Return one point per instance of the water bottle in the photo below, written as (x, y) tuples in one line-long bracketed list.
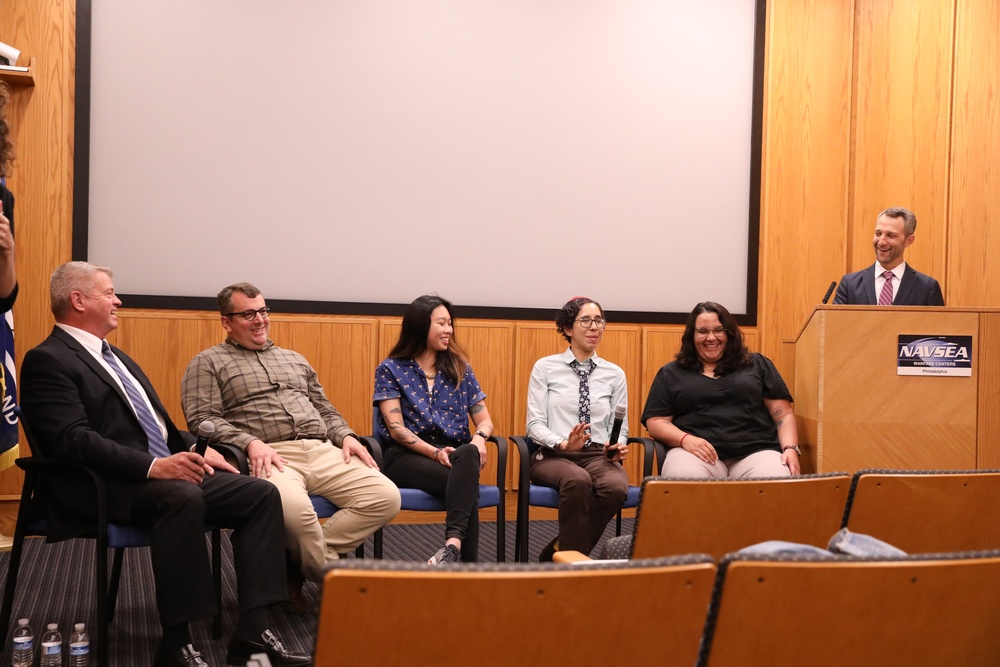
[(51, 647), (79, 647), (24, 645)]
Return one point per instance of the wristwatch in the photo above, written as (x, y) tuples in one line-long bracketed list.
[(795, 447), (485, 437)]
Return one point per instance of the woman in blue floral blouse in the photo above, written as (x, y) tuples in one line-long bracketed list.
[(426, 393)]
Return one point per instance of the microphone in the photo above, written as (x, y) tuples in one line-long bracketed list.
[(616, 429), (829, 291), (205, 432)]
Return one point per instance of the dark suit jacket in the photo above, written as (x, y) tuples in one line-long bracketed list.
[(915, 289), (78, 412)]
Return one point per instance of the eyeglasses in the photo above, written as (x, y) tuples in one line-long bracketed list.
[(250, 315), (718, 331), (586, 322)]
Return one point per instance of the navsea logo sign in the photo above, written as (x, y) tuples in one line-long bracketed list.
[(948, 356)]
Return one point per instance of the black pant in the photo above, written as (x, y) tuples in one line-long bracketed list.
[(458, 485), (177, 513)]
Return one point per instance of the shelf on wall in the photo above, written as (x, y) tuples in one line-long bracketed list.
[(19, 79)]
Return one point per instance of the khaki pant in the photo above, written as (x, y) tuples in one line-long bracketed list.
[(365, 498)]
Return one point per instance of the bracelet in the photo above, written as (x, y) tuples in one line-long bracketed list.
[(681, 443), (436, 450)]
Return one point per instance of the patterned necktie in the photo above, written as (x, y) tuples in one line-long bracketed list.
[(157, 445), (885, 296), (584, 373)]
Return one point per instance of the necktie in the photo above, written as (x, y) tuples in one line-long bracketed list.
[(157, 445), (885, 296), (584, 373)]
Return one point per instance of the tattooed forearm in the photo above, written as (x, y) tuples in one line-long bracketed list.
[(395, 411), (400, 433), (780, 422), (477, 408)]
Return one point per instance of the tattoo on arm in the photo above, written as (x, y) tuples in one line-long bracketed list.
[(477, 408), (778, 425), (395, 411), (400, 433)]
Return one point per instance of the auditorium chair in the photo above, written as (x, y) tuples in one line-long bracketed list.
[(923, 511), (32, 520), (680, 515), (830, 611), (485, 614), (531, 495)]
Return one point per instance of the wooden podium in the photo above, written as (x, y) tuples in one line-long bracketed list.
[(854, 411)]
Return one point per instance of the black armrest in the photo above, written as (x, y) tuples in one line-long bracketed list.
[(235, 456), (372, 445), (648, 448)]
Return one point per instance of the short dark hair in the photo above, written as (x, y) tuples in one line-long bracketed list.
[(225, 297), (566, 317), (413, 337), (909, 219), (735, 356), (6, 147)]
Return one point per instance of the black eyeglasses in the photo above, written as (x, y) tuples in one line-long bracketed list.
[(251, 315), (587, 322)]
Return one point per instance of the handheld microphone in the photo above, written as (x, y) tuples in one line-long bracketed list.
[(205, 432), (829, 291), (616, 429)]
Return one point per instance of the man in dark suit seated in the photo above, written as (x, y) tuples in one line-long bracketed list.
[(890, 281), (90, 403)]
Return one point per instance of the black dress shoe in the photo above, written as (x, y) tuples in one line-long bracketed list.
[(186, 656), (296, 599), (548, 551), (240, 651)]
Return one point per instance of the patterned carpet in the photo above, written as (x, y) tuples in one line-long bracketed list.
[(56, 581)]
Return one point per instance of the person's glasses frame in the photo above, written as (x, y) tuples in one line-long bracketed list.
[(587, 322), (718, 331), (250, 315)]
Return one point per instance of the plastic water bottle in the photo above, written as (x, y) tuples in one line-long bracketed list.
[(79, 647), (23, 654), (51, 647)]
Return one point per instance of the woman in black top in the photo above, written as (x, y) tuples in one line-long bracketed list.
[(722, 410)]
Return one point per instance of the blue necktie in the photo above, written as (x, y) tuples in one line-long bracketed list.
[(157, 445)]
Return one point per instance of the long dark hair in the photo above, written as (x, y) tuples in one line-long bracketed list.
[(6, 148), (735, 356), (413, 337)]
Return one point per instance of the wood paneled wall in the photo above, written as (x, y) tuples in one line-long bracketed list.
[(868, 104)]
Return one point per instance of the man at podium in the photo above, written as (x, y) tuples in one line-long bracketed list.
[(890, 281)]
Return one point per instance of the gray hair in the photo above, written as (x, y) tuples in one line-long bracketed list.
[(909, 220), (68, 278)]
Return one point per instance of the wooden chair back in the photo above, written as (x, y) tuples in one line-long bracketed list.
[(918, 612), (678, 516), (925, 511), (395, 613)]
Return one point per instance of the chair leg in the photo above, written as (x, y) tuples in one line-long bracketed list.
[(116, 575), (501, 534), (618, 524), (378, 545), (360, 551), (217, 582), (103, 619), (13, 566)]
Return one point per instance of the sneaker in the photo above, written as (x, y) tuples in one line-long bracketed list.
[(449, 553)]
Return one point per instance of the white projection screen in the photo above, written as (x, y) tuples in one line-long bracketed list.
[(347, 156)]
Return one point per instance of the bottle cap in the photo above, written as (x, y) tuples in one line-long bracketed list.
[(52, 626), (78, 627), (22, 621)]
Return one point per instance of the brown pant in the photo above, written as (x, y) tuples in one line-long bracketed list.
[(591, 490)]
